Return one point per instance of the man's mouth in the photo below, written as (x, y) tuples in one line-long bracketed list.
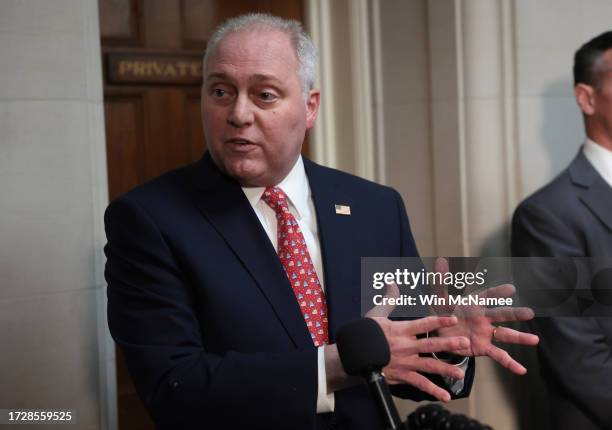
[(240, 141), (240, 145)]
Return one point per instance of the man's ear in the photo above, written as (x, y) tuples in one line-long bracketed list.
[(585, 98), (312, 108)]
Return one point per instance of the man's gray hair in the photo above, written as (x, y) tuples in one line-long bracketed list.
[(304, 48)]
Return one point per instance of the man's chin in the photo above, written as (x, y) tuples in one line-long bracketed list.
[(247, 173)]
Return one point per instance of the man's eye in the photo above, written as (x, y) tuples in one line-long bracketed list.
[(267, 96), (218, 92)]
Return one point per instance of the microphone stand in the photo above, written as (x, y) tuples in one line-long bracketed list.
[(380, 391)]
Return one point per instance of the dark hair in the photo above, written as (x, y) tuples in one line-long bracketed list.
[(585, 59)]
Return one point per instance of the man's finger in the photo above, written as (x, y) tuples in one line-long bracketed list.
[(425, 385), (433, 344), (424, 325), (500, 291), (440, 266), (508, 335), (503, 314), (503, 358), (385, 310), (431, 365)]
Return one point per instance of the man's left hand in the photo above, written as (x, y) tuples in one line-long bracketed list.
[(477, 323)]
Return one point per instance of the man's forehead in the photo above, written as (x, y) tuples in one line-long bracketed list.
[(255, 41), (256, 54)]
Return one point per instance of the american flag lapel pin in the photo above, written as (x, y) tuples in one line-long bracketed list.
[(343, 210)]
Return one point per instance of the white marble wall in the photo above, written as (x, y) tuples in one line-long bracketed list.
[(52, 193), (404, 107)]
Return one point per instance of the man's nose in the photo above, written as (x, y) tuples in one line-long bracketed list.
[(241, 114)]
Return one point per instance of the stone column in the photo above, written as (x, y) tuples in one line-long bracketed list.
[(56, 352)]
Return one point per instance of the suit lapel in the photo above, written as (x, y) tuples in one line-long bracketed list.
[(599, 199), (595, 193), (224, 205), (335, 236)]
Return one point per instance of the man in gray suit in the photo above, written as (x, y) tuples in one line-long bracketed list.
[(572, 216)]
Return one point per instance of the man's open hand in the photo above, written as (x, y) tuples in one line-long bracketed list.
[(405, 347), (477, 324)]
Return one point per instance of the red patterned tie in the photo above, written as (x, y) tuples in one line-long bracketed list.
[(296, 260)]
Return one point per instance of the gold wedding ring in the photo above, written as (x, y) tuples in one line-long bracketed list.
[(493, 334)]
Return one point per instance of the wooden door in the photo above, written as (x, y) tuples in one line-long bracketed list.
[(152, 52)]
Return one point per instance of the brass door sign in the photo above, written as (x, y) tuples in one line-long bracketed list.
[(139, 68)]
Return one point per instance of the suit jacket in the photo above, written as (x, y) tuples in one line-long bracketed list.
[(572, 216), (201, 305)]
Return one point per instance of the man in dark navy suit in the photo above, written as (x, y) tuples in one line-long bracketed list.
[(572, 217), (228, 278)]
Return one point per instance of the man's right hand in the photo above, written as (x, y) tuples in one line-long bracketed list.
[(405, 363)]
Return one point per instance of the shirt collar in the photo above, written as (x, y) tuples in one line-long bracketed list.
[(600, 158), (295, 185)]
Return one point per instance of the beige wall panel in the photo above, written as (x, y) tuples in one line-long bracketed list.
[(53, 191), (49, 359)]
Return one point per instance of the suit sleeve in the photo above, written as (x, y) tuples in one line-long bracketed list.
[(151, 316), (573, 349), (409, 249)]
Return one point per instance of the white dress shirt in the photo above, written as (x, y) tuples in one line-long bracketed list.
[(296, 187), (600, 158)]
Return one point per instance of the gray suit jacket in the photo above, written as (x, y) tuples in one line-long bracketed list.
[(572, 216)]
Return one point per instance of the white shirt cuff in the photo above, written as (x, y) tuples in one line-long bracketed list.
[(325, 401)]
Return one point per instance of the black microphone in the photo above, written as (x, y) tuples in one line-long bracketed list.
[(364, 350)]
